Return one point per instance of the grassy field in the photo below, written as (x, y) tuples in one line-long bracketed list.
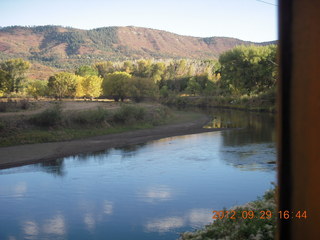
[(46, 121)]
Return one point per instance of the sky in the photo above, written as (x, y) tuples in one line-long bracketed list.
[(251, 20)]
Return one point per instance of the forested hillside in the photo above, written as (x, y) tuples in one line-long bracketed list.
[(67, 48)]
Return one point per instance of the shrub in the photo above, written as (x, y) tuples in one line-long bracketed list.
[(3, 106), (129, 114), (96, 116), (49, 117), (24, 104), (159, 115), (2, 126), (240, 228)]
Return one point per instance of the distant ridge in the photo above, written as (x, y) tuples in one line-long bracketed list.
[(63, 47)]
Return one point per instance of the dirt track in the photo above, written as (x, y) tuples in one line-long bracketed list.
[(32, 153)]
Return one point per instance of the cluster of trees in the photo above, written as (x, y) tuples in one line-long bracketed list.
[(117, 85), (136, 79), (242, 70), (247, 70), (12, 75)]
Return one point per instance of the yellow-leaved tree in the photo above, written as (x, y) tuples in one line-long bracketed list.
[(91, 86)]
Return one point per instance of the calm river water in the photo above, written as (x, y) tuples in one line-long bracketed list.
[(150, 191)]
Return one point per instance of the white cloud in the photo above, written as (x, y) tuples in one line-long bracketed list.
[(20, 189), (164, 224), (157, 193), (89, 221), (108, 207), (30, 229), (199, 216), (55, 225), (194, 217)]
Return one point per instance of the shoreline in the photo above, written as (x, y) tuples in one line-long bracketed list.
[(20, 155)]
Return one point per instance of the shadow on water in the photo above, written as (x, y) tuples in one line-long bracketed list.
[(250, 145), (130, 150), (55, 167)]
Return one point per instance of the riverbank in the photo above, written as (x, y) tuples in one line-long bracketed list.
[(260, 103), (254, 220), (33, 153)]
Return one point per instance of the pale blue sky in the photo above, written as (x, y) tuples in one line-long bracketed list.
[(244, 19)]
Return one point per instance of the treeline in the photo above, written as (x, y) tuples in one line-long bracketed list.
[(242, 71)]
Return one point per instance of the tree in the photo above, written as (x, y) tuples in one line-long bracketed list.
[(116, 85), (4, 81), (193, 86), (247, 69), (127, 67), (63, 85), (86, 71), (13, 73), (181, 68), (104, 68), (91, 86), (157, 71), (141, 88), (37, 88), (143, 68)]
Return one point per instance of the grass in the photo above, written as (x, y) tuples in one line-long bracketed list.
[(54, 125), (263, 102), (242, 228), (63, 134), (49, 117), (15, 105)]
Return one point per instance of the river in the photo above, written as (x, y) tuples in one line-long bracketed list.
[(148, 191)]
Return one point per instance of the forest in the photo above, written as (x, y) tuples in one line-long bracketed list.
[(244, 76)]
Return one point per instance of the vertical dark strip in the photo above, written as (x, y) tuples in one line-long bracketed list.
[(286, 67)]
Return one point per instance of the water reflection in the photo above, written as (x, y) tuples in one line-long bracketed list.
[(142, 192), (164, 224), (54, 227), (89, 221), (250, 157), (54, 167), (195, 217), (30, 229), (20, 189), (156, 193), (130, 150), (220, 122)]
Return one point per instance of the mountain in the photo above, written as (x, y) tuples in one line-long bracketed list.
[(65, 47)]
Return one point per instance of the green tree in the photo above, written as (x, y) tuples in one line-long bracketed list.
[(37, 88), (117, 85), (157, 71), (4, 81), (181, 68), (127, 67), (86, 71), (104, 68), (247, 69), (193, 86), (13, 74), (141, 88), (63, 84), (170, 73), (143, 68)]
